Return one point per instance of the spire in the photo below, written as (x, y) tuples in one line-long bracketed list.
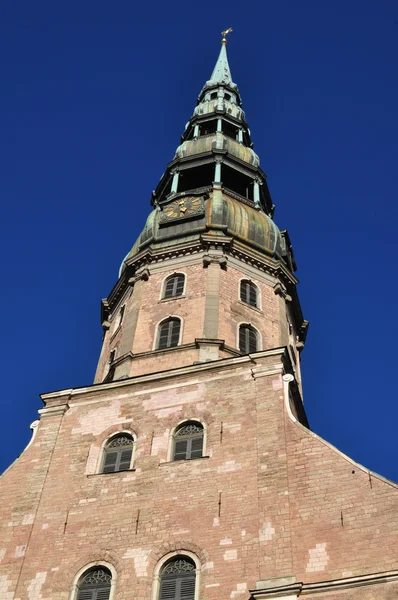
[(221, 72)]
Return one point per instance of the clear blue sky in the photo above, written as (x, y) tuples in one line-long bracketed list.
[(94, 97)]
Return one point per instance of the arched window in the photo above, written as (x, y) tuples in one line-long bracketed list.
[(249, 292), (188, 441), (117, 453), (95, 584), (174, 286), (177, 579), (248, 339), (169, 333)]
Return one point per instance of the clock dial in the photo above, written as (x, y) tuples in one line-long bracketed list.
[(183, 208)]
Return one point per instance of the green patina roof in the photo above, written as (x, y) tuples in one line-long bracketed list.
[(222, 72), (222, 213)]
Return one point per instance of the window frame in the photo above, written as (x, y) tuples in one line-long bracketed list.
[(189, 439), (92, 565), (158, 332), (173, 433), (257, 290), (104, 452), (162, 563), (258, 337), (163, 297)]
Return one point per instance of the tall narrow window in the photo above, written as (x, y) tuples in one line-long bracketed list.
[(248, 339), (174, 286), (121, 315), (117, 454), (249, 292), (177, 580), (169, 333), (95, 584), (188, 441)]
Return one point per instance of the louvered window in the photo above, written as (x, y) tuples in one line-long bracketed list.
[(174, 286), (249, 292), (95, 585), (248, 339), (188, 441), (169, 333), (118, 452), (177, 580)]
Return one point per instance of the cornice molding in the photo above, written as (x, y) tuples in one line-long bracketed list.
[(53, 411), (221, 364), (331, 585)]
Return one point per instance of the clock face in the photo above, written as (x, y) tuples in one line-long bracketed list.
[(183, 208)]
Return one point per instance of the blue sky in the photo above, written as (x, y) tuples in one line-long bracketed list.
[(94, 98)]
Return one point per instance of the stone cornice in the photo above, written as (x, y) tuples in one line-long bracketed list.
[(232, 246), (57, 410), (333, 585), (224, 363)]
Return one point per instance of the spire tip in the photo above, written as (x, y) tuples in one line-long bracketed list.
[(224, 35)]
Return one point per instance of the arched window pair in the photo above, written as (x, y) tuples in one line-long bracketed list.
[(177, 581), (187, 444), (169, 330)]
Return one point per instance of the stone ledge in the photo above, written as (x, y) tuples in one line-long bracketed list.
[(281, 588)]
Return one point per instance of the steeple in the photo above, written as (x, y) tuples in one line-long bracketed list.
[(221, 72), (211, 207)]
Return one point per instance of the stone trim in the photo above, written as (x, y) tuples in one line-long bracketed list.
[(171, 373), (293, 590), (53, 411)]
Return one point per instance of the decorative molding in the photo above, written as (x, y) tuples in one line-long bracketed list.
[(209, 259), (281, 291), (296, 589), (105, 325), (53, 411), (172, 373), (139, 275)]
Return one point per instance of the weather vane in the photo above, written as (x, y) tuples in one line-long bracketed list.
[(224, 35)]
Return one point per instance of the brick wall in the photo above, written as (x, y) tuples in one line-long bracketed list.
[(266, 501), (210, 308)]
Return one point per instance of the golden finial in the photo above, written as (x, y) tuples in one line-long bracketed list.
[(224, 35)]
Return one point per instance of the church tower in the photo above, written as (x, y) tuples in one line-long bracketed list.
[(188, 471), (211, 276)]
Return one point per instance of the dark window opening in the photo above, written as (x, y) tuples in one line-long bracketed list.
[(208, 127), (248, 339), (188, 441), (121, 315), (112, 356), (227, 96), (166, 189), (169, 333), (249, 293), (237, 182), (118, 452), (213, 95), (230, 130), (177, 580), (95, 585), (174, 286), (197, 177)]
